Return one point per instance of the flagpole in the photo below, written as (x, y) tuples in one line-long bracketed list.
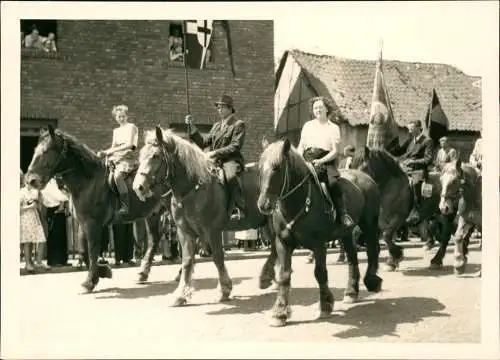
[(184, 30)]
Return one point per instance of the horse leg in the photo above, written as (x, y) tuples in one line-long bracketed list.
[(225, 283), (184, 290), (426, 235), (372, 281), (326, 299), (281, 308), (93, 232), (267, 274), (396, 254), (152, 229), (445, 224), (460, 257), (352, 288)]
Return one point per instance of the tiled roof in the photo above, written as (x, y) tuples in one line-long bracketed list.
[(350, 84)]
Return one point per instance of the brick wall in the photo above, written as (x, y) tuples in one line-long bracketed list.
[(105, 63)]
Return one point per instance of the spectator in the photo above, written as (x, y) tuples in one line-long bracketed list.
[(445, 154), (55, 202), (175, 47), (31, 229), (34, 40), (476, 158), (49, 43)]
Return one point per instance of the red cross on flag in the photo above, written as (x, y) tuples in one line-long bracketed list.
[(198, 36)]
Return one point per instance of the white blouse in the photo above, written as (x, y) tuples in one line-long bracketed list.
[(325, 136)]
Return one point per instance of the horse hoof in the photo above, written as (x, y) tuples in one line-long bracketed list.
[(179, 302), (340, 260), (373, 284), (277, 322), (265, 283), (142, 278), (223, 298), (390, 267), (104, 271), (350, 299), (87, 287), (435, 266), (459, 270)]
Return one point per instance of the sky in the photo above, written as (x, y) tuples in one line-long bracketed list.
[(455, 33)]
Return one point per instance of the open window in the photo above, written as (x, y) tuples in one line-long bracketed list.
[(39, 36), (190, 43)]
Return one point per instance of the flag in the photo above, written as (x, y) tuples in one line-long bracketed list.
[(436, 122), (382, 130), (198, 34)]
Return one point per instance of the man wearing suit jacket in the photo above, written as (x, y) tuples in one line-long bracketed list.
[(417, 158), (224, 143)]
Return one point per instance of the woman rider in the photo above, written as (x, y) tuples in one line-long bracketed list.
[(122, 152), (319, 141)]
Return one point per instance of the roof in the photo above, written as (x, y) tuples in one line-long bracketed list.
[(349, 83)]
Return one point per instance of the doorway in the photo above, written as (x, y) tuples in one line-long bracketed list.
[(28, 145)]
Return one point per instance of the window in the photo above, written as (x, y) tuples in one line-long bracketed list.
[(185, 43), (39, 36)]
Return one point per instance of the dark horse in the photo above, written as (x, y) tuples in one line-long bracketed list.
[(289, 191), (86, 177), (396, 195), (461, 193), (397, 202), (200, 201)]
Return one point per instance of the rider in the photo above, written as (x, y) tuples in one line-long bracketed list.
[(319, 141), (224, 143), (417, 158), (445, 154), (122, 152)]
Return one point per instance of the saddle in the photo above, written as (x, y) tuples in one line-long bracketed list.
[(323, 190), (110, 178)]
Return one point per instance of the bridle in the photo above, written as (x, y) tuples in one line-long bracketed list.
[(285, 193)]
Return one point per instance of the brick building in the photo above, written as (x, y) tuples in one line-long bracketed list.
[(99, 64)]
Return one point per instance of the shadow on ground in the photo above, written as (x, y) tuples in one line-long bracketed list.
[(446, 270), (244, 305), (380, 317), (158, 288), (382, 260)]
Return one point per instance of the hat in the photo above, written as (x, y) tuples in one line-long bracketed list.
[(444, 138), (225, 100)]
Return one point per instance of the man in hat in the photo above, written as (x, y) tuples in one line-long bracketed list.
[(224, 143), (445, 154), (417, 158)]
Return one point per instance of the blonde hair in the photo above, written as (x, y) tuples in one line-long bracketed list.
[(119, 109)]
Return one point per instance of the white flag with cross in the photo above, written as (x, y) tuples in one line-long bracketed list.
[(204, 32)]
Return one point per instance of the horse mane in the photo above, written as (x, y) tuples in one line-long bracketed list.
[(196, 163), (381, 162), (82, 154), (273, 154)]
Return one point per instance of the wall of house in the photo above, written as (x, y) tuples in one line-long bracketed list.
[(105, 63)]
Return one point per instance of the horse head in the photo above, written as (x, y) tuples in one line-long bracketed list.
[(452, 184), (153, 167), (278, 165), (48, 158)]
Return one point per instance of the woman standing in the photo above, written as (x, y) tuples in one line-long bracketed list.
[(122, 152), (31, 230), (319, 141)]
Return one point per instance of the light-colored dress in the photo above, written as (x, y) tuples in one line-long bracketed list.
[(31, 230), (125, 160)]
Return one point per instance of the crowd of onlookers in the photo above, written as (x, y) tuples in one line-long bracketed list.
[(38, 42)]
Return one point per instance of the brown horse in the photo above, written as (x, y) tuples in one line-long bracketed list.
[(200, 201), (462, 194), (86, 177), (291, 194)]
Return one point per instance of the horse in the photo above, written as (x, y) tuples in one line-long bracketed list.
[(292, 195), (397, 196), (60, 155), (200, 201), (461, 193)]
